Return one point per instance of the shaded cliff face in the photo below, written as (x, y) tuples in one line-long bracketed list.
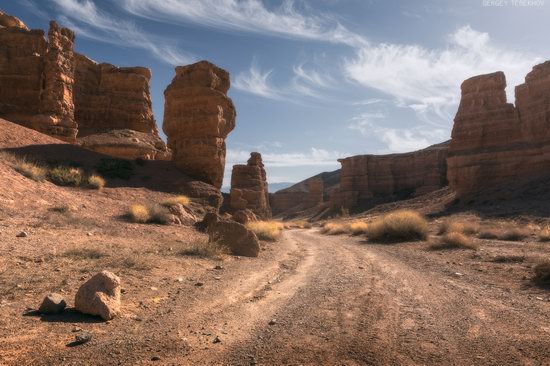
[(494, 142), (249, 188), (365, 177), (37, 77), (198, 116)]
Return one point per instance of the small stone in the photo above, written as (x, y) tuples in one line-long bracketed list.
[(22, 234), (76, 329), (217, 340), (180, 279), (82, 338), (272, 322), (218, 267), (458, 274), (155, 358), (52, 304), (154, 288), (217, 278), (89, 234), (540, 298), (199, 284)]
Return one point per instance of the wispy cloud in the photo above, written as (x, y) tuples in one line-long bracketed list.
[(91, 22), (313, 157), (256, 81), (428, 80), (247, 16)]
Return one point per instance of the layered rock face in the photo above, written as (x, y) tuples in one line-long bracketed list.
[(114, 111), (198, 116), (364, 177), (494, 142), (249, 188), (37, 77)]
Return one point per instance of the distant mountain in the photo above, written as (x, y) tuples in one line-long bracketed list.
[(273, 187)]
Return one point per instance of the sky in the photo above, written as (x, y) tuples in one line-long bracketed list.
[(315, 80)]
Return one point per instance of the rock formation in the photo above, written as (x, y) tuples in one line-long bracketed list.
[(198, 116), (365, 177), (37, 77), (249, 188), (494, 142)]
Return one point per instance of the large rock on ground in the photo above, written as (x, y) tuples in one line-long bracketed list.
[(52, 304), (227, 233), (249, 188), (100, 296), (495, 143), (198, 116)]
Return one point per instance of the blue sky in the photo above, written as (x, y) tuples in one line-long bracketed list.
[(315, 80)]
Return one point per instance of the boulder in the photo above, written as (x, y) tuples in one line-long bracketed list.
[(198, 116), (231, 234), (249, 190), (244, 216), (52, 304), (100, 296), (181, 216)]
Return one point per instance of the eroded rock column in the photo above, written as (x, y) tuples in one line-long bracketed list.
[(198, 116)]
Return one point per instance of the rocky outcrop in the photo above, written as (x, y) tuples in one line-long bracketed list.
[(366, 177), (496, 143), (37, 78), (249, 188), (198, 116)]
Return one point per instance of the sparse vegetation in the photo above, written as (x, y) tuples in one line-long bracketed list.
[(398, 226), (334, 228), (489, 234), (266, 230), (25, 167), (542, 274), (84, 253), (508, 259), (96, 182), (515, 234), (60, 209), (298, 224), (453, 226), (115, 168), (454, 240), (66, 176), (204, 249), (358, 228), (181, 200), (144, 214)]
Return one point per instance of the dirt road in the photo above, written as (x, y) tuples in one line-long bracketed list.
[(334, 300)]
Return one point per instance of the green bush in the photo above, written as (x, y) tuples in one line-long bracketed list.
[(66, 176), (115, 168)]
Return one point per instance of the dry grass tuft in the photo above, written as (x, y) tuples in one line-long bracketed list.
[(181, 200), (515, 234), (204, 249), (453, 226), (508, 259), (25, 167), (138, 213), (358, 228), (66, 176), (454, 240), (298, 224), (489, 234), (398, 226), (334, 228), (84, 253), (96, 182), (266, 230), (542, 274), (544, 234)]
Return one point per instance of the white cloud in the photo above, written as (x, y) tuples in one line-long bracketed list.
[(313, 157), (428, 81), (248, 16), (89, 21)]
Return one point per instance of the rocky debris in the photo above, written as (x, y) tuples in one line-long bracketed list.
[(365, 177), (244, 216), (181, 215), (217, 339), (198, 116), (228, 233), (100, 295), (155, 358), (249, 188), (52, 304), (494, 142), (81, 338), (272, 322), (22, 234)]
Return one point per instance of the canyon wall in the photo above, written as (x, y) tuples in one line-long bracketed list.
[(496, 143), (198, 116), (393, 176), (249, 188)]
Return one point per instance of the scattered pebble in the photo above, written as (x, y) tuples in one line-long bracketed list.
[(217, 278), (22, 234), (218, 267), (82, 338), (154, 288), (272, 322), (199, 284), (458, 274), (217, 340), (155, 358)]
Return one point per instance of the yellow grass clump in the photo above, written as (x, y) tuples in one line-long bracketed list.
[(25, 167), (96, 182), (177, 200), (398, 226), (542, 274), (453, 226), (298, 224), (139, 214), (544, 234), (334, 228), (266, 230), (454, 240), (358, 227), (66, 176)]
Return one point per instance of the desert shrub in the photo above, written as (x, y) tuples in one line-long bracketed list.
[(542, 274), (84, 253), (266, 230), (489, 234), (159, 214), (27, 168), (204, 249), (60, 209), (508, 259), (66, 176), (515, 234), (138, 213), (298, 224), (358, 227), (334, 228), (451, 226), (398, 226), (544, 234), (95, 182), (115, 168), (182, 200), (454, 240)]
